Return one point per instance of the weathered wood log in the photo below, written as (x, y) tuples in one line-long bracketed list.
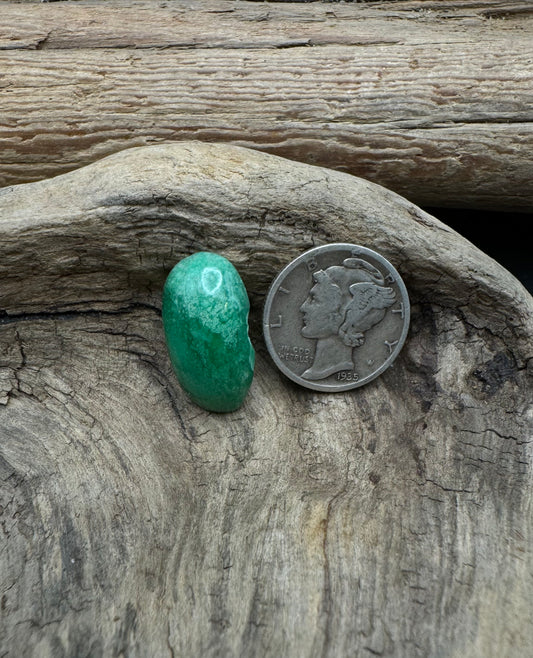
[(393, 520), (431, 99)]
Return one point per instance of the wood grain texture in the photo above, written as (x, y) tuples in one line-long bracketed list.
[(431, 99), (393, 520)]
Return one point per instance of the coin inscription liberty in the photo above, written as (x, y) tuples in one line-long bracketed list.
[(336, 317)]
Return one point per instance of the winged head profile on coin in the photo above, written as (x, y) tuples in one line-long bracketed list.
[(345, 302)]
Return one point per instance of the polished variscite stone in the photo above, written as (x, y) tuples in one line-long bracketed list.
[(205, 317)]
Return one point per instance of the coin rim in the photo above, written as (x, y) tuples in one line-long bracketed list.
[(334, 388)]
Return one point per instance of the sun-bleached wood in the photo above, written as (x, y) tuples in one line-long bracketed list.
[(393, 520), (431, 99)]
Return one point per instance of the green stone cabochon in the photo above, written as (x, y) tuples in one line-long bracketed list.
[(205, 318)]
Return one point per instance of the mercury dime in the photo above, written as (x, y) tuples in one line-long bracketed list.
[(336, 317)]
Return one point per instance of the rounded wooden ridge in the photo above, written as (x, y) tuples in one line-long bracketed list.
[(392, 520)]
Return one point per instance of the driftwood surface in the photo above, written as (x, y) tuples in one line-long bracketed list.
[(392, 520), (432, 99)]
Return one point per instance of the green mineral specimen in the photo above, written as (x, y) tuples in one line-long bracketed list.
[(205, 318)]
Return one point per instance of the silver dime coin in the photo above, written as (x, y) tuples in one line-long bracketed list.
[(336, 317)]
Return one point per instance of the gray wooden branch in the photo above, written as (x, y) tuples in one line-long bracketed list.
[(392, 520), (431, 99)]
